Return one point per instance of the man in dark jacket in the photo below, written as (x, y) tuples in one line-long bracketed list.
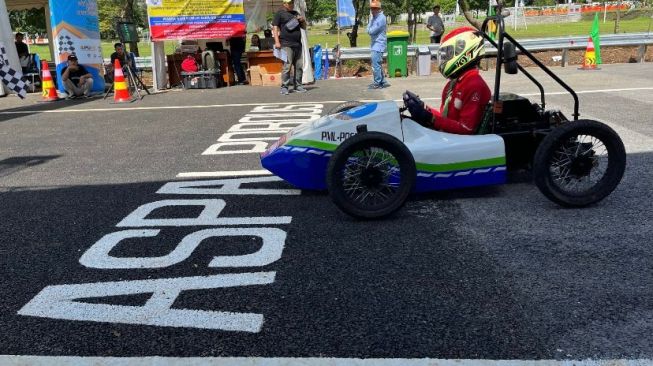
[(237, 48)]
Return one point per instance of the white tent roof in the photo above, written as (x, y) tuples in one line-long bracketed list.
[(25, 4)]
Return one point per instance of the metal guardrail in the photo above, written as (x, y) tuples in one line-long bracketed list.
[(539, 44)]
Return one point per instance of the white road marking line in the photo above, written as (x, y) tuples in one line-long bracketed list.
[(242, 361), (223, 174), (131, 109)]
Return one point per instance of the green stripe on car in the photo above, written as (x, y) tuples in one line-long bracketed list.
[(475, 164), (314, 144)]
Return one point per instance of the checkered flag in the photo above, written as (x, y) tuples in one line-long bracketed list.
[(14, 80)]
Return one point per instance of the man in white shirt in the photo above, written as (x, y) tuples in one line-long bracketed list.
[(435, 25)]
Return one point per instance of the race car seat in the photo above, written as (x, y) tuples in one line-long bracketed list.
[(484, 127)]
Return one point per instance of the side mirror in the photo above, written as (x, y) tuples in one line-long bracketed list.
[(510, 58)]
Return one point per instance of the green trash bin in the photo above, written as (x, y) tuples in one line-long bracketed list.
[(397, 54)]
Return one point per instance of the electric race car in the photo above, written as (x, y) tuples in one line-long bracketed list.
[(371, 156)]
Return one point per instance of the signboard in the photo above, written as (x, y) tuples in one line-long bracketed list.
[(75, 30), (346, 13), (127, 32), (195, 19)]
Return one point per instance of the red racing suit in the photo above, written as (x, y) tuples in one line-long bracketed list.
[(463, 107)]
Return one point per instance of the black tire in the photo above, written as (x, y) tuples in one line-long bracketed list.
[(371, 191), (345, 107), (582, 153)]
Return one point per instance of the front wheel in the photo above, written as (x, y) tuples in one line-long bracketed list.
[(371, 175), (345, 107), (579, 163)]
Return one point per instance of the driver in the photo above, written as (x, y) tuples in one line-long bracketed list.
[(466, 94)]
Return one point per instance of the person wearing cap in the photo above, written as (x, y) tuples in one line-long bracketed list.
[(376, 29), (286, 29), (435, 25), (77, 81)]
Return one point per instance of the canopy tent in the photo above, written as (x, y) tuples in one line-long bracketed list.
[(256, 12), (25, 4), (33, 4), (6, 33)]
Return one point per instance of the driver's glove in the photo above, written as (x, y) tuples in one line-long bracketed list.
[(418, 111)]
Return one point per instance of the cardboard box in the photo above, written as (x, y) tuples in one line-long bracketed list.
[(271, 79), (255, 76)]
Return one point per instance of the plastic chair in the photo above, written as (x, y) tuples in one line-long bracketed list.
[(33, 71)]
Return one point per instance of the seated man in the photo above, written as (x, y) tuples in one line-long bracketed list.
[(119, 55), (77, 81), (466, 95), (22, 50)]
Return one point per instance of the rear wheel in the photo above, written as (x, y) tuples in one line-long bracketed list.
[(371, 175), (345, 107), (579, 163)]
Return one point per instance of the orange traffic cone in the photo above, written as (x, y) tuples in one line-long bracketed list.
[(589, 61), (49, 91), (120, 90)]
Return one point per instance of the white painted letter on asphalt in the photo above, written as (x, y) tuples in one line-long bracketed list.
[(97, 256), (225, 187), (208, 216), (58, 302), (256, 147)]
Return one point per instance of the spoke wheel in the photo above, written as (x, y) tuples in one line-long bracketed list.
[(371, 175), (579, 163)]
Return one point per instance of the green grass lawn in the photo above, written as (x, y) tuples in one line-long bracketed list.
[(319, 36), (583, 27)]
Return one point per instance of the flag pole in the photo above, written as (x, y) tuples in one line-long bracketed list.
[(337, 15)]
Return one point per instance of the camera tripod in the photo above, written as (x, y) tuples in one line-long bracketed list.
[(134, 82)]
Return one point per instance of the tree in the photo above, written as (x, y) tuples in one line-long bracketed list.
[(107, 11), (617, 19), (128, 14), (111, 12), (362, 10), (414, 8), (447, 6), (392, 9), (30, 21), (319, 9)]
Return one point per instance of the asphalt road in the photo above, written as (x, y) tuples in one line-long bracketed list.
[(485, 273)]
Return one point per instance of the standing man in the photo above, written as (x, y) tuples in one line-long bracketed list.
[(435, 25), (286, 28), (376, 29), (237, 48), (77, 81)]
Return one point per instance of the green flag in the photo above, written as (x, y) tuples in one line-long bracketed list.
[(594, 33)]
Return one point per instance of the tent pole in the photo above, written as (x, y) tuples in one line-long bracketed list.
[(48, 27), (7, 37)]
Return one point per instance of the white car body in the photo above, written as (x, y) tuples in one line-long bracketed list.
[(443, 160)]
